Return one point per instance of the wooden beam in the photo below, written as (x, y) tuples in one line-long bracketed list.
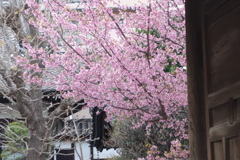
[(195, 71)]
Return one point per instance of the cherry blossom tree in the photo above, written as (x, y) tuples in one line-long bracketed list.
[(27, 126), (130, 60)]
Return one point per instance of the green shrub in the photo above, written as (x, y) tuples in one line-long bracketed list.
[(16, 134)]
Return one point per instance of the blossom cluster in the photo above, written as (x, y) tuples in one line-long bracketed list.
[(176, 152), (130, 60)]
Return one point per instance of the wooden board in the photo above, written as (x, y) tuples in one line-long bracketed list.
[(214, 72)]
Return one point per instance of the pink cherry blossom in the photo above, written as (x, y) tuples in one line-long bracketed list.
[(114, 57)]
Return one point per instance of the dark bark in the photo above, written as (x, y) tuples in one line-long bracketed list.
[(30, 107), (36, 125)]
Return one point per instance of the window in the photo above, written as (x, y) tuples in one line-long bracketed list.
[(83, 126), (64, 154)]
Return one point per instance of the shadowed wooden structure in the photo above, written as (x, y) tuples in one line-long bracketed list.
[(213, 56)]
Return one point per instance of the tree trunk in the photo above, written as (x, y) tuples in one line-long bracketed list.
[(36, 142), (36, 125)]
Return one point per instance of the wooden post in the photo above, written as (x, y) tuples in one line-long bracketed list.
[(195, 71)]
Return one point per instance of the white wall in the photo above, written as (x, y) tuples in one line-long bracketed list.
[(110, 153), (82, 149), (63, 145)]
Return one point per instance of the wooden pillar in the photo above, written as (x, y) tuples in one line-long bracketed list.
[(195, 71)]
